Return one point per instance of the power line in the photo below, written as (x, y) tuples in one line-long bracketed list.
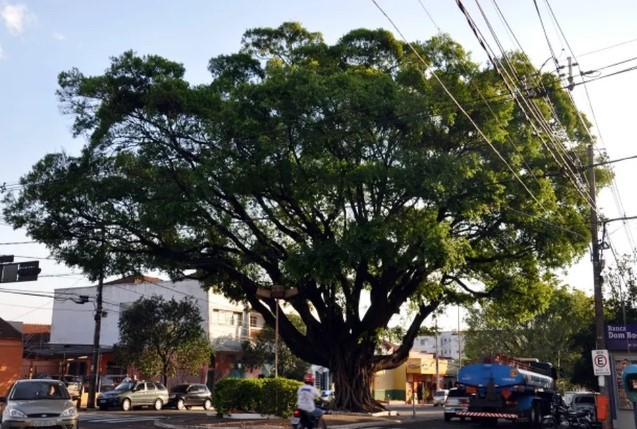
[(459, 106), (607, 47)]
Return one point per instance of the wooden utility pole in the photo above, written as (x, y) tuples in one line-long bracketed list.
[(600, 341), (95, 357)]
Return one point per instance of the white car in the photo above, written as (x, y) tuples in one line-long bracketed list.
[(580, 401), (327, 395), (440, 397), (457, 400)]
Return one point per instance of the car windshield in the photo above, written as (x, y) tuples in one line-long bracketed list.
[(125, 386), (39, 390), (457, 393), (584, 400), (439, 393), (180, 388)]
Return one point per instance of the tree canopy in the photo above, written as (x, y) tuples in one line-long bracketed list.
[(550, 334), (345, 171), (159, 337)]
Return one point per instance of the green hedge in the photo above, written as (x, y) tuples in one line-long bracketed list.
[(267, 396)]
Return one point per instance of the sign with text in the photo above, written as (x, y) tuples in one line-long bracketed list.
[(621, 337), (601, 364)]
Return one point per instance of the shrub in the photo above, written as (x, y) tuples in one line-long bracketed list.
[(271, 396)]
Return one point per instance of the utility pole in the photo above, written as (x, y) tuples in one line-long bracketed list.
[(95, 357), (600, 341)]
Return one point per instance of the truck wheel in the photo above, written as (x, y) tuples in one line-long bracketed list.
[(535, 414)]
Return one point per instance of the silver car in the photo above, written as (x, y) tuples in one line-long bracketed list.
[(440, 397), (38, 403), (457, 400)]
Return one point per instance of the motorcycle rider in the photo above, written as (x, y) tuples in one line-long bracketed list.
[(305, 399)]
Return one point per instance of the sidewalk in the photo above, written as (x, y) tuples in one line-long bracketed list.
[(335, 420)]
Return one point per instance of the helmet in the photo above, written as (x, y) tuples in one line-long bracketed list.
[(308, 378)]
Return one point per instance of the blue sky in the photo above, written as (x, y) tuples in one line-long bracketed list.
[(39, 39)]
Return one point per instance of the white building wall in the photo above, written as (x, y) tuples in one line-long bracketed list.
[(74, 323), (449, 344)]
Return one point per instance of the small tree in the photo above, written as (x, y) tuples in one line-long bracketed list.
[(159, 337), (550, 334)]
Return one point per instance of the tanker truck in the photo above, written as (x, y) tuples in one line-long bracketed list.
[(517, 389)]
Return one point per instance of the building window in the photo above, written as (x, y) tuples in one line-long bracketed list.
[(237, 319), (253, 320)]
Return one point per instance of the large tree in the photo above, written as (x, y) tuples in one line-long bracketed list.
[(159, 337), (345, 171), (550, 333), (262, 350)]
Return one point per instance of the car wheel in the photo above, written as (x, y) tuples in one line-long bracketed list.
[(447, 417), (207, 404), (180, 404), (188, 407), (158, 404), (103, 408), (126, 404)]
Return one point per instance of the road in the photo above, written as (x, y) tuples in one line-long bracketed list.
[(144, 419)]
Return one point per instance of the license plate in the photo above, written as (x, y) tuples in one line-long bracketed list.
[(47, 422), (295, 420)]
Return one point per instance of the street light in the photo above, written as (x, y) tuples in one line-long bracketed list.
[(277, 292)]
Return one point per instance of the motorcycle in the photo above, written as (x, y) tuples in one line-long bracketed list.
[(561, 416), (303, 420)]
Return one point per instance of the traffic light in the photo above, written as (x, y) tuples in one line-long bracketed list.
[(6, 258), (28, 271), (19, 272)]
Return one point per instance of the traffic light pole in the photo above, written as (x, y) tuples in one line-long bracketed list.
[(600, 340)]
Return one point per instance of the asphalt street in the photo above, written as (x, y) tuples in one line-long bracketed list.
[(409, 418)]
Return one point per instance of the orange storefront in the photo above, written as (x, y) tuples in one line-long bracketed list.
[(10, 355)]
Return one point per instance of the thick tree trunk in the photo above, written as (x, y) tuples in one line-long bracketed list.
[(353, 374)]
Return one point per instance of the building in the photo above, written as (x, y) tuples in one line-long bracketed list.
[(447, 344), (10, 355), (421, 374), (225, 323)]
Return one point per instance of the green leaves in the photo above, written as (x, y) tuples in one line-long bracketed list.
[(159, 337), (548, 330), (344, 171)]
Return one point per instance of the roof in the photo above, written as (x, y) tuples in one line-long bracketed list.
[(34, 328), (134, 280), (8, 331)]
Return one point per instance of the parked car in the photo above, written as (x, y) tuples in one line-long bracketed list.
[(327, 395), (580, 401), (133, 394), (38, 403), (457, 400), (188, 395), (440, 396), (73, 383), (108, 382)]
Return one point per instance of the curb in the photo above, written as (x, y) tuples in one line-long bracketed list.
[(161, 424)]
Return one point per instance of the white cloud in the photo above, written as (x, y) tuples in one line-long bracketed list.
[(1, 52), (59, 36), (17, 18)]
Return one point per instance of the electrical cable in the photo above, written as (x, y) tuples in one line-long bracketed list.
[(528, 109), (614, 188), (459, 106)]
